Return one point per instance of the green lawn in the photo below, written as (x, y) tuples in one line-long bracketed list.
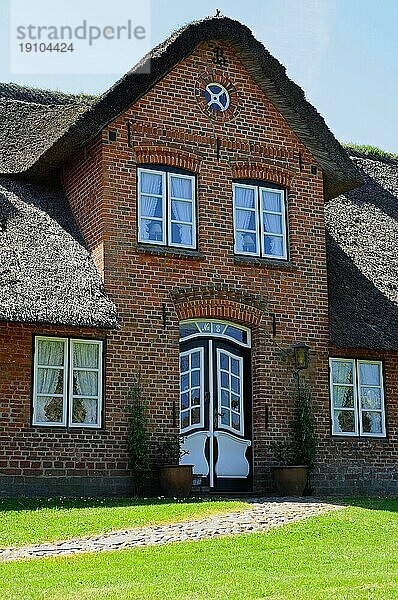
[(349, 554), (30, 521)]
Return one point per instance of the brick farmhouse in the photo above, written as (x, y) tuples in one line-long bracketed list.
[(192, 226)]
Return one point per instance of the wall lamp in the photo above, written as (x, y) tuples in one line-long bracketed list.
[(301, 356)]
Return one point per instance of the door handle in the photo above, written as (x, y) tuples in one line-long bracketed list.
[(215, 419)]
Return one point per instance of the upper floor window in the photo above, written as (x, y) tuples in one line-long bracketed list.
[(166, 208), (357, 397), (260, 221), (67, 385)]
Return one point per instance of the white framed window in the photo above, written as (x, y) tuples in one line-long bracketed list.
[(259, 221), (230, 391), (166, 208), (191, 389), (67, 382), (357, 397)]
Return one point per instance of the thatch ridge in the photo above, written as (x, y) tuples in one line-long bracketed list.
[(14, 91)]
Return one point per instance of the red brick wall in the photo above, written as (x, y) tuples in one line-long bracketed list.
[(362, 465), (101, 186), (84, 185), (49, 451)]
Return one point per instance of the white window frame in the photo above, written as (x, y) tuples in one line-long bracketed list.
[(358, 432), (164, 200), (166, 218), (63, 367), (259, 221), (68, 395), (98, 370), (236, 208), (202, 391), (239, 431), (211, 333)]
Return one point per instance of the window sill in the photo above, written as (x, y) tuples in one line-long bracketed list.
[(269, 263), (167, 251), (65, 428), (359, 438)]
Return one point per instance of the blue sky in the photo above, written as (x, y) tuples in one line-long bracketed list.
[(343, 53)]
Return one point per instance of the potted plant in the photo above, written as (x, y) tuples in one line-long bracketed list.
[(296, 456), (175, 479)]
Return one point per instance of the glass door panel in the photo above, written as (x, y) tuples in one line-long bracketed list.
[(191, 389), (230, 391)]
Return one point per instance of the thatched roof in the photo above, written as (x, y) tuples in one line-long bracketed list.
[(14, 91), (46, 274), (340, 174), (363, 259), (27, 130), (30, 121)]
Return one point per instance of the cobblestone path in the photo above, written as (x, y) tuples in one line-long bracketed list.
[(261, 514)]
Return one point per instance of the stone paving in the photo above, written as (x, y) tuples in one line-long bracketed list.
[(261, 514)]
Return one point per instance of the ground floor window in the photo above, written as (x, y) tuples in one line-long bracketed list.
[(67, 383), (357, 397)]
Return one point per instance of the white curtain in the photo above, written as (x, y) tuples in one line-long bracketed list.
[(244, 198), (85, 355), (181, 188), (50, 353), (245, 219), (369, 374), (85, 410), (272, 223), (271, 201), (49, 381), (181, 210), (273, 245), (151, 185), (85, 383), (342, 372)]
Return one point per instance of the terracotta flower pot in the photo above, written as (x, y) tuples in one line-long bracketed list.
[(291, 480), (176, 480)]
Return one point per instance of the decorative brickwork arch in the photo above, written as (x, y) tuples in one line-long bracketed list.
[(264, 172), (162, 155), (219, 302)]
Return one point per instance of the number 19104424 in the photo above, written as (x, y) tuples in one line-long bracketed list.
[(43, 47)]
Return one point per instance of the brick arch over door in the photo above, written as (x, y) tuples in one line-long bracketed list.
[(219, 309), (219, 302)]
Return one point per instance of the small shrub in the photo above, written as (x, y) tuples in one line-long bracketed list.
[(300, 448), (170, 450)]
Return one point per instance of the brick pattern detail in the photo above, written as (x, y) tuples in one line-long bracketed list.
[(162, 155), (218, 291), (219, 309), (262, 172), (218, 302)]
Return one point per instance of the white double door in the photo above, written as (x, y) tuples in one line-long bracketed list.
[(215, 412)]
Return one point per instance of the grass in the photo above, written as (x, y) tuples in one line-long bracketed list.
[(349, 554), (30, 521), (371, 151)]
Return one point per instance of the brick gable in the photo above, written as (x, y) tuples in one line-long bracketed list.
[(168, 127)]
